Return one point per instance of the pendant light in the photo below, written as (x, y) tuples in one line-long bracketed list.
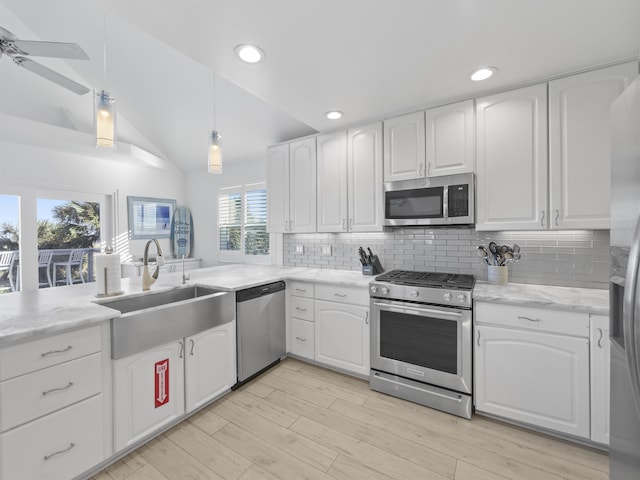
[(215, 155), (104, 108)]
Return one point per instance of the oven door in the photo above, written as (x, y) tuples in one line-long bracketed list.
[(426, 343)]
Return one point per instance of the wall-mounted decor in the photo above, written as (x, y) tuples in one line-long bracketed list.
[(182, 232), (150, 217)]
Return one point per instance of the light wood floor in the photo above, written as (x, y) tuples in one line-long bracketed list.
[(299, 421)]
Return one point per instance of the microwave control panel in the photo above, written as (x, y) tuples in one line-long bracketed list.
[(459, 200)]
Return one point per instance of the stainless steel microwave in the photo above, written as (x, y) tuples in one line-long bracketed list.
[(447, 200)]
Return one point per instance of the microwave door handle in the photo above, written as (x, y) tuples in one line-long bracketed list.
[(631, 314), (445, 203), (425, 311)]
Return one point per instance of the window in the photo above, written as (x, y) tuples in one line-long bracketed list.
[(68, 237), (242, 224), (9, 244)]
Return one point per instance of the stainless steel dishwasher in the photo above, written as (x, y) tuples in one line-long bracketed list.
[(260, 316)]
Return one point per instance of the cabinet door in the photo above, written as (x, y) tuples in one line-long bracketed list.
[(600, 385), (332, 182), (278, 188), (404, 148), (302, 186), (511, 152), (580, 145), (450, 139), (536, 378), (210, 364), (342, 336), (148, 392), (365, 195)]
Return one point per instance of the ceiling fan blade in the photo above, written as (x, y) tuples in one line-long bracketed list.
[(49, 74), (7, 35), (50, 49)]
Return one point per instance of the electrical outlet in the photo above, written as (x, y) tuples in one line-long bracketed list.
[(299, 249), (326, 249)]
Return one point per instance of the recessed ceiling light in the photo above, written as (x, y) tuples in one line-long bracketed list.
[(483, 73), (334, 115), (249, 53)]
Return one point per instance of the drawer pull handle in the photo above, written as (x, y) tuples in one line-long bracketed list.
[(341, 295), (47, 392), (301, 339), (301, 309), (52, 352), (301, 289), (529, 319), (48, 457)]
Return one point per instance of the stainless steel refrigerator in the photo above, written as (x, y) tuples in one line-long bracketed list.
[(625, 286)]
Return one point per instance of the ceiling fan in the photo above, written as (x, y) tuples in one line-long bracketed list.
[(15, 48)]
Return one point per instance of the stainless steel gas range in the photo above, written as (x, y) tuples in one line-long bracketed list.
[(421, 338)]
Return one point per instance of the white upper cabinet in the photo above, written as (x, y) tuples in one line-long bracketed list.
[(332, 182), (278, 187), (365, 195), (579, 145), (291, 181), (350, 180), (404, 147), (512, 160), (450, 140), (302, 185)]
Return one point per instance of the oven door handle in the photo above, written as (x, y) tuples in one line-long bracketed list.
[(427, 311)]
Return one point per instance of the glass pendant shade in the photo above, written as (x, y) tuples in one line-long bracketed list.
[(105, 120), (215, 156)]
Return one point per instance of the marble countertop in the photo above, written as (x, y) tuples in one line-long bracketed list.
[(27, 315), (586, 300)]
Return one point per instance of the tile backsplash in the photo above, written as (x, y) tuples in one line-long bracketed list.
[(569, 258)]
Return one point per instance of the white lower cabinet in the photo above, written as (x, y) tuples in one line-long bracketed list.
[(59, 446), (148, 392), (150, 387), (54, 417), (600, 385), (342, 336), (532, 375), (330, 324), (210, 365)]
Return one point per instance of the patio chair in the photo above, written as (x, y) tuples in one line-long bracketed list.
[(7, 263), (44, 261), (75, 260)]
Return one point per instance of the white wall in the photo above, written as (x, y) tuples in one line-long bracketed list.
[(202, 198), (26, 170)]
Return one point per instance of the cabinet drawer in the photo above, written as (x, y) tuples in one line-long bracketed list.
[(28, 357), (540, 319), (300, 289), (302, 338), (59, 446), (36, 394), (333, 293), (301, 308)]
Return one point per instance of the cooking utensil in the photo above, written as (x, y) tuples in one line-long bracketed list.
[(482, 252), (507, 258), (493, 248)]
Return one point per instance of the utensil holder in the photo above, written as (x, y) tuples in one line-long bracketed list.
[(498, 274)]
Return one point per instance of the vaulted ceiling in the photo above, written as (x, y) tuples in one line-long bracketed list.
[(370, 59)]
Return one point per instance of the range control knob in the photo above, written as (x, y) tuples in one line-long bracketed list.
[(462, 298), (384, 290), (413, 293), (373, 289), (447, 297)]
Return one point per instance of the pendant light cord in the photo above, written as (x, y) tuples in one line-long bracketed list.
[(214, 101), (104, 51)]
